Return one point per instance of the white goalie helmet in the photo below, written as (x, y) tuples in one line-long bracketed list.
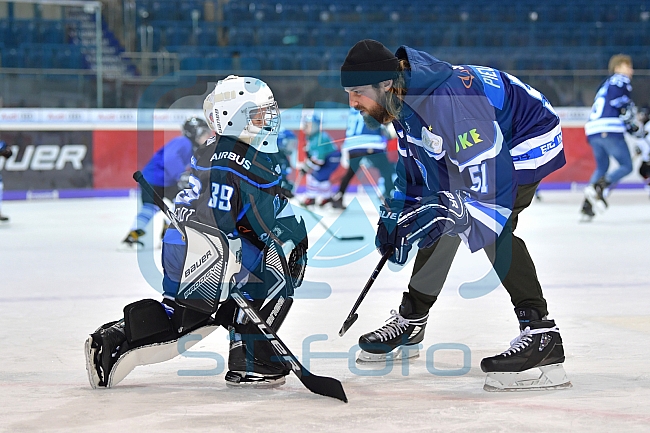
[(244, 107)]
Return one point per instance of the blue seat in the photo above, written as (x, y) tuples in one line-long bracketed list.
[(24, 31), (250, 64), (192, 64), (163, 10), (177, 36), (271, 35), (51, 32), (242, 35), (218, 63), (68, 58), (13, 58)]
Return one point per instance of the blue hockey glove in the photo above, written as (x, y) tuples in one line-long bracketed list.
[(387, 238), (425, 221)]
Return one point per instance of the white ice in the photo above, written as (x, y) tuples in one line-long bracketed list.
[(61, 277)]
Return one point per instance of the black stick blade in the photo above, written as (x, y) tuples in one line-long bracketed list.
[(348, 322), (326, 386), (349, 238)]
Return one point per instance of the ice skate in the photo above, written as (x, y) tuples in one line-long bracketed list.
[(337, 201), (101, 350), (400, 338), (538, 346), (133, 241), (309, 201), (595, 194), (4, 218), (587, 212), (247, 371), (324, 201)]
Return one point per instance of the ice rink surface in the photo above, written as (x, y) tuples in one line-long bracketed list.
[(61, 277)]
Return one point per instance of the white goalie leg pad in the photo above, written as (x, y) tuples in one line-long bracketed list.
[(400, 352), (154, 353), (547, 377), (91, 369)]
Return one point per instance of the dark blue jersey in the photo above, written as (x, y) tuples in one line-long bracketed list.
[(612, 97), (166, 166), (234, 187), (475, 129)]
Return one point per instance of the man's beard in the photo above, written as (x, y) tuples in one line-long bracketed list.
[(378, 115)]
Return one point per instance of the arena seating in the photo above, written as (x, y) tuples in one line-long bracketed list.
[(304, 35)]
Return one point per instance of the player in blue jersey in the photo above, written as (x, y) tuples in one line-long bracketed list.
[(164, 172), (287, 145), (5, 152), (322, 159), (612, 115), (234, 186), (474, 144), (364, 138)]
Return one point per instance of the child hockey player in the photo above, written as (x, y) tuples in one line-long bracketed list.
[(235, 188)]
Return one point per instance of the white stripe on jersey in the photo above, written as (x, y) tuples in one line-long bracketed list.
[(488, 221), (364, 141), (604, 124), (546, 145)]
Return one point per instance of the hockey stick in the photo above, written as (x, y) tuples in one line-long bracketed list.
[(326, 386), (320, 220), (353, 316), (139, 177), (372, 183), (329, 230)]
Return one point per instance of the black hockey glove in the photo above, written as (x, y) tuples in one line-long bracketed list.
[(5, 150), (400, 226)]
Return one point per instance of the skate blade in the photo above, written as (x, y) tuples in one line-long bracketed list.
[(253, 382), (584, 218), (552, 376), (412, 352), (93, 377)]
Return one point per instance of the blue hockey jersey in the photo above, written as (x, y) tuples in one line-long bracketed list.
[(474, 129), (358, 135), (168, 163), (612, 96)]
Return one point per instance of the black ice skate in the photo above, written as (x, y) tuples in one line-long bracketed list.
[(539, 345), (133, 241), (4, 218), (246, 370), (595, 194), (337, 201), (399, 338), (101, 351), (587, 211)]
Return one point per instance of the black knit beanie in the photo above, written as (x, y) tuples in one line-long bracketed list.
[(368, 62)]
